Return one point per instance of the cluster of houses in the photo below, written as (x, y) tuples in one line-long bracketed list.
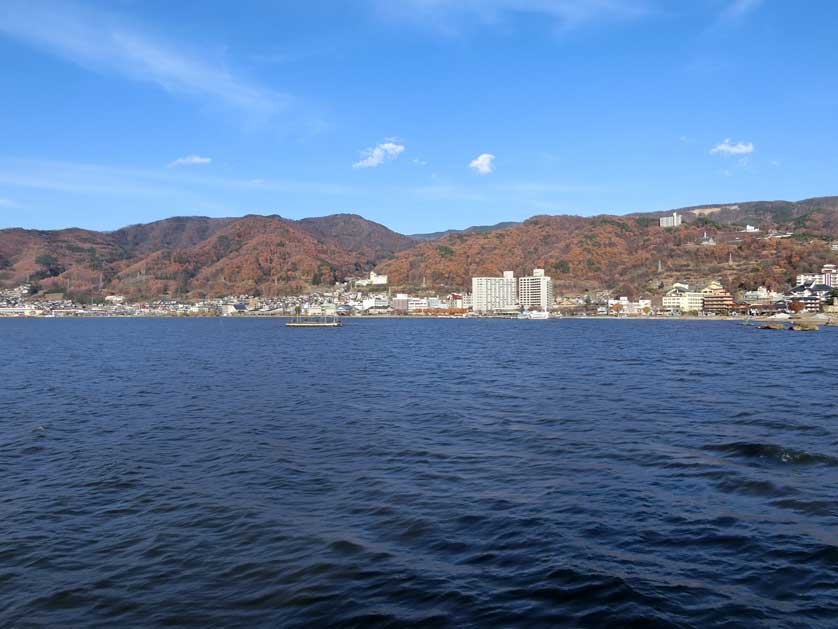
[(812, 292), (712, 299), (504, 295)]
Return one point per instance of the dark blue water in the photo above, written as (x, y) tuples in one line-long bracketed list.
[(417, 473)]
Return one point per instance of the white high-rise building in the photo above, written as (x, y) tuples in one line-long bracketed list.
[(535, 291), (670, 221), (494, 293)]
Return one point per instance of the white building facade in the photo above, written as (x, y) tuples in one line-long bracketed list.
[(670, 221), (827, 276), (681, 299), (494, 293), (625, 307), (372, 303), (535, 291), (374, 280)]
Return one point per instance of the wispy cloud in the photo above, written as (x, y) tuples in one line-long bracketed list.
[(106, 43), (97, 180), (729, 148), (483, 164), (452, 16), (377, 155), (8, 204), (190, 160)]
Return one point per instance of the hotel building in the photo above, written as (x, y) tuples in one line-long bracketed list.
[(535, 291), (494, 293)]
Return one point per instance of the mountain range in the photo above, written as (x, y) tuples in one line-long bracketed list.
[(271, 255)]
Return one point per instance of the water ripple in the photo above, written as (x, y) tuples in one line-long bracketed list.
[(416, 474)]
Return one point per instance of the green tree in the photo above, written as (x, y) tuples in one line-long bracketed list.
[(444, 251), (562, 266), (49, 265)]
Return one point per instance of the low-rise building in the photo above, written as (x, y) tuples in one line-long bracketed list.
[(716, 299), (417, 303), (680, 299), (19, 311), (623, 306), (374, 280), (761, 296), (806, 303), (827, 276), (821, 292), (375, 303)]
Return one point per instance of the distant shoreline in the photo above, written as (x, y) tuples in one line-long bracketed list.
[(833, 319)]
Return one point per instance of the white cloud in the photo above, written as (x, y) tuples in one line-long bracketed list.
[(377, 155), (483, 164), (420, 162), (104, 43), (729, 148), (190, 160)]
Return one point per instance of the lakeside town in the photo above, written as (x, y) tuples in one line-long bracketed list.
[(527, 297)]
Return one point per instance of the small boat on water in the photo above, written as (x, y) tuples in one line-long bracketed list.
[(533, 314), (314, 322)]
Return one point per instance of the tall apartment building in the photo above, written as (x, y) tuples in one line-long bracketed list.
[(535, 291), (670, 221), (494, 293)]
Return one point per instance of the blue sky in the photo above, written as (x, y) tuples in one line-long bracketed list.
[(420, 114)]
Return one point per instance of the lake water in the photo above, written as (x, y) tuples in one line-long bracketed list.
[(452, 473)]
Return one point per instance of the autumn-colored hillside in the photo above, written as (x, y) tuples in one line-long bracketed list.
[(369, 241), (198, 256), (631, 254), (270, 255)]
